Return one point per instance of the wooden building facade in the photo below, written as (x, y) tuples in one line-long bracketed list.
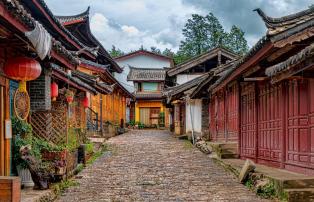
[(264, 101)]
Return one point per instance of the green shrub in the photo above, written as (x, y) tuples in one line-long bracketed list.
[(89, 147), (132, 122)]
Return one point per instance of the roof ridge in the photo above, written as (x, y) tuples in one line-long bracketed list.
[(84, 14), (272, 22)]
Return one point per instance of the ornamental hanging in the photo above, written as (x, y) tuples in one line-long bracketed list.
[(22, 69), (54, 90), (85, 102), (69, 95)]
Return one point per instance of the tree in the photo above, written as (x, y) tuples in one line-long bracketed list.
[(155, 50), (114, 52), (168, 52), (196, 37), (202, 33), (236, 41)]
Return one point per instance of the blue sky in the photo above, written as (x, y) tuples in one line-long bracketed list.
[(128, 24)]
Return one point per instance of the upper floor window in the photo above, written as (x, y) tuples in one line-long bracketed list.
[(148, 87)]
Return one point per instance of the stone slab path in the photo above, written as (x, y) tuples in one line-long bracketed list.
[(151, 165)]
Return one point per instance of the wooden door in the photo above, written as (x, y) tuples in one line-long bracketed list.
[(270, 120), (4, 114), (248, 121), (232, 113), (154, 115), (145, 115), (300, 126)]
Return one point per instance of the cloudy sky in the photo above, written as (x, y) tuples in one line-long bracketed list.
[(128, 24)]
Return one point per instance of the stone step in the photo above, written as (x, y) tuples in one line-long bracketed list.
[(228, 156), (298, 183), (300, 195)]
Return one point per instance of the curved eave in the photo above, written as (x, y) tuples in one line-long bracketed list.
[(271, 22), (42, 8), (16, 15), (75, 25)]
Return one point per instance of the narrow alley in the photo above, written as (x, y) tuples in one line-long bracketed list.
[(152, 165)]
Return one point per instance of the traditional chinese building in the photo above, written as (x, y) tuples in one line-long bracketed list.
[(106, 107), (144, 72), (30, 31), (191, 113), (264, 100)]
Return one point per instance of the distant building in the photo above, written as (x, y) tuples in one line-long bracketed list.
[(144, 75), (191, 113)]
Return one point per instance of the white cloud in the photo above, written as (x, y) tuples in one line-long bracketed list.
[(130, 30), (128, 24)]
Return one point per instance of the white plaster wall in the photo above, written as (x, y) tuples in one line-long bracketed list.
[(183, 78), (196, 109), (139, 61)]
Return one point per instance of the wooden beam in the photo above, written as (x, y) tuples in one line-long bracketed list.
[(256, 79), (293, 71), (280, 52)]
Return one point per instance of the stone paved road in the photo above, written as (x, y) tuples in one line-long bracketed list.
[(151, 165)]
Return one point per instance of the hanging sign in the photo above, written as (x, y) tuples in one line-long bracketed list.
[(8, 129)]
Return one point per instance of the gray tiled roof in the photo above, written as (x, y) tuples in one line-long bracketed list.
[(149, 96), (145, 74)]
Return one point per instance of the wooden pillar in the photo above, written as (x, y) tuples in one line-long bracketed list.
[(239, 119), (101, 112), (284, 104), (256, 120)]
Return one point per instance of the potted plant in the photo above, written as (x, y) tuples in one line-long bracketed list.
[(60, 167), (20, 164), (69, 95), (22, 136)]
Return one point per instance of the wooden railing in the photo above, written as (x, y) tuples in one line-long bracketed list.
[(92, 120)]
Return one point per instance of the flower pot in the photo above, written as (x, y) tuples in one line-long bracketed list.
[(53, 155), (26, 177)]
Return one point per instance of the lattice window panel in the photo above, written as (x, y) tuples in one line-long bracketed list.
[(41, 122), (59, 125)]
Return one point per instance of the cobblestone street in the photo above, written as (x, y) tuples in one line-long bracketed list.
[(150, 165)]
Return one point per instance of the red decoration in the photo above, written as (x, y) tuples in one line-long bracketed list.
[(22, 69), (69, 99), (86, 102), (54, 91)]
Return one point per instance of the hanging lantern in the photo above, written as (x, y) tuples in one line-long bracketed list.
[(22, 69), (85, 102), (54, 90)]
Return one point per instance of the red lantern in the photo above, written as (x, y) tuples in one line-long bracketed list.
[(22, 69), (54, 91), (85, 102)]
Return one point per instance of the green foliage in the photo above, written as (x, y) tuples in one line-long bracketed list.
[(161, 119), (202, 33), (155, 50), (63, 185), (116, 52), (236, 41), (168, 52), (89, 147), (132, 122), (17, 144), (21, 128), (72, 140), (249, 183), (267, 191), (140, 125)]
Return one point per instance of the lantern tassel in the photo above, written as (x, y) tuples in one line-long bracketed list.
[(22, 86)]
